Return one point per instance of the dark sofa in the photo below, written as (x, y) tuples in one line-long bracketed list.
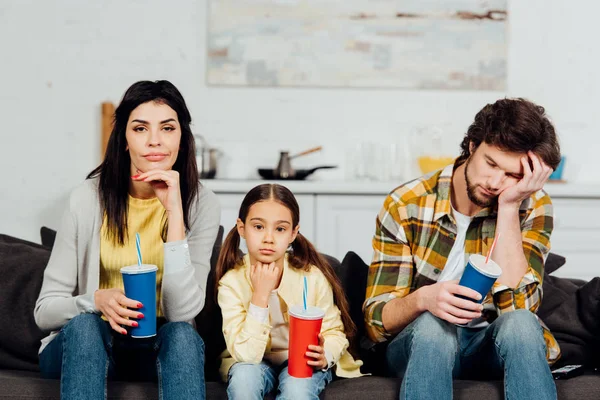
[(570, 308)]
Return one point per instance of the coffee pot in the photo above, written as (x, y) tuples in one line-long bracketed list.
[(206, 158)]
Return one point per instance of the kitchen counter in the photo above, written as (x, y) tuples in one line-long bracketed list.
[(555, 189)]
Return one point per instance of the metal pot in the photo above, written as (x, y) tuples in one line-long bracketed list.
[(206, 158)]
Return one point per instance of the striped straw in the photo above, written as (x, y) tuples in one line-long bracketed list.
[(304, 292), (139, 250), (492, 248)]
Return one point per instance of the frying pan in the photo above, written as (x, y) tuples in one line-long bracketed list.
[(297, 174)]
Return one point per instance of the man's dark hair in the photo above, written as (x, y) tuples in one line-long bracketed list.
[(515, 125)]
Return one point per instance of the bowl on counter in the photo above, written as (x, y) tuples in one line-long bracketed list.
[(429, 164)]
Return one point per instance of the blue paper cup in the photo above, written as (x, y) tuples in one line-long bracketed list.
[(480, 276), (140, 285)]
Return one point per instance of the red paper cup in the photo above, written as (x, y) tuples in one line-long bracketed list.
[(305, 326)]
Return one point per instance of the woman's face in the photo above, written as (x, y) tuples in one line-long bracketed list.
[(153, 136)]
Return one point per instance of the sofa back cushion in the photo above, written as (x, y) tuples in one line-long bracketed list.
[(22, 266)]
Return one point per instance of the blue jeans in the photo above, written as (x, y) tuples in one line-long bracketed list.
[(87, 352), (254, 381), (430, 352)]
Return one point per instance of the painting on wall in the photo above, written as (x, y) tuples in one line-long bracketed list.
[(412, 44)]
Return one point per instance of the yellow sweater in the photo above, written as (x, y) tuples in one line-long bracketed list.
[(145, 217), (248, 339)]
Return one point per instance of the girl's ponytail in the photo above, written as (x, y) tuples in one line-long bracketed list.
[(229, 256), (303, 256)]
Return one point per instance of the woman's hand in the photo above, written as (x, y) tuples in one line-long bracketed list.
[(166, 187), (112, 304), (318, 353)]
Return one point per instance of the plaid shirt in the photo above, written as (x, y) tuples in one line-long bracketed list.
[(415, 232)]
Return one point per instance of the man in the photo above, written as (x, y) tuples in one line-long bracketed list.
[(425, 233)]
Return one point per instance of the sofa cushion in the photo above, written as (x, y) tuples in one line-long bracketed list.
[(47, 236), (209, 322), (22, 266), (553, 262), (574, 321), (353, 275)]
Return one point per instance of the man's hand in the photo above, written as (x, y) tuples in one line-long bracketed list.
[(440, 300), (531, 182), (265, 279)]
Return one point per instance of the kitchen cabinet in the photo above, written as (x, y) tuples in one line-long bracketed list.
[(340, 216), (346, 223), (576, 236)]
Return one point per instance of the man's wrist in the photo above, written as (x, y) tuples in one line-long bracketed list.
[(420, 299), (512, 207)]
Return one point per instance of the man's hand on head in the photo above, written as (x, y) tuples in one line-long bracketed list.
[(534, 178)]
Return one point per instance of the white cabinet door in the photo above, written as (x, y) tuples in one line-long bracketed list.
[(347, 223), (230, 208), (576, 236)]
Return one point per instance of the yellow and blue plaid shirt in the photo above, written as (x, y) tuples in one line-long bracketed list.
[(415, 232)]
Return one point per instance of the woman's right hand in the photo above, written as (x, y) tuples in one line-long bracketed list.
[(113, 304), (265, 279)]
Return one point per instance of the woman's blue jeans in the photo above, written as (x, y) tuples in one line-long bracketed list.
[(87, 352), (430, 352)]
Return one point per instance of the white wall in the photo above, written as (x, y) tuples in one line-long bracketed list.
[(61, 59)]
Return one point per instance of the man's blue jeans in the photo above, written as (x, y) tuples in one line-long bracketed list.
[(430, 352), (87, 352), (254, 381)]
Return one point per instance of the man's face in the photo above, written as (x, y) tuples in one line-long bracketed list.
[(489, 171)]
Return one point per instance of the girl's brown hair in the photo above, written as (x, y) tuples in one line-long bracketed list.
[(303, 253)]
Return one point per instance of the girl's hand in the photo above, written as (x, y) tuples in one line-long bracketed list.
[(318, 353), (166, 187), (112, 304), (265, 279)]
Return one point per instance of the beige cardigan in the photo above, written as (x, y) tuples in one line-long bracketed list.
[(73, 271)]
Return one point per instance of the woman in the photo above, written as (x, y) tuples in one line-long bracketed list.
[(147, 184)]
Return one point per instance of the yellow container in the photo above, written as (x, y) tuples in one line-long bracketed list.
[(429, 164)]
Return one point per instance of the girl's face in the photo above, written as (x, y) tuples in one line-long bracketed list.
[(268, 232), (153, 135)]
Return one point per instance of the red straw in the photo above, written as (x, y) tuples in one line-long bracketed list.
[(492, 248)]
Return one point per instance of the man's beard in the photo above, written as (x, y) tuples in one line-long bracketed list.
[(471, 191)]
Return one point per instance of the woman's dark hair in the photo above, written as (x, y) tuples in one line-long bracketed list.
[(303, 253), (114, 171), (514, 125)]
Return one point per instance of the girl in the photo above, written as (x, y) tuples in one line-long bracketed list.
[(147, 183), (255, 292)]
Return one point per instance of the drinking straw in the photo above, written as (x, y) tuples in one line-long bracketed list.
[(139, 250), (304, 292), (491, 248)]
